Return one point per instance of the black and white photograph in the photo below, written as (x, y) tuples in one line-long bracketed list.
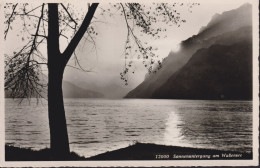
[(122, 83)]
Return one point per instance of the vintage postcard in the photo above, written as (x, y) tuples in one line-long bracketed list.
[(129, 83)]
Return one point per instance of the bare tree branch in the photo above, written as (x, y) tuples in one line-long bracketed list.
[(30, 15), (69, 15), (83, 28), (131, 31), (36, 34), (9, 20), (26, 13), (39, 35), (77, 61)]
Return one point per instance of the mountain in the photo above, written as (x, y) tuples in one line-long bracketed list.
[(72, 91), (217, 72), (229, 30), (108, 90), (228, 21), (114, 91), (69, 91)]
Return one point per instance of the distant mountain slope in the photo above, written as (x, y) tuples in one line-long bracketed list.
[(218, 72), (228, 21), (72, 91), (69, 91), (220, 30), (110, 90)]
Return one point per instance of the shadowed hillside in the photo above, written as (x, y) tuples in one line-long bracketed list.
[(219, 72), (226, 29)]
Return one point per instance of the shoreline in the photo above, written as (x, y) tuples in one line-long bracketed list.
[(138, 151)]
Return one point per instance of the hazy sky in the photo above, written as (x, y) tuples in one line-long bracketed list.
[(112, 35), (108, 61)]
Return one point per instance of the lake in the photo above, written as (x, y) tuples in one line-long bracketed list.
[(98, 125)]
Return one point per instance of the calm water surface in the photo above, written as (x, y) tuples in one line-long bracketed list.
[(96, 126)]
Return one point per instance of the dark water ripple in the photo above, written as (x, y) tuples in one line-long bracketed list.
[(96, 126)]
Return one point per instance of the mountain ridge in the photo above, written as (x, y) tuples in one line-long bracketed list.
[(195, 80), (216, 32)]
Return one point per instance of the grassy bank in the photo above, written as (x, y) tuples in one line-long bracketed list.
[(138, 151), (24, 154)]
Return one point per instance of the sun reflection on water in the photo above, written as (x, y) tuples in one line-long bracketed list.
[(173, 131)]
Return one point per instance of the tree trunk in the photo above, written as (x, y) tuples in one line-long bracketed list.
[(57, 119), (56, 66)]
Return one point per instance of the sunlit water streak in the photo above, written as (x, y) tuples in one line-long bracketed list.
[(96, 126)]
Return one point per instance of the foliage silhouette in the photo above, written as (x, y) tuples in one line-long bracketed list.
[(47, 24)]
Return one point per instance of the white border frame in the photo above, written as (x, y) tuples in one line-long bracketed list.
[(156, 163)]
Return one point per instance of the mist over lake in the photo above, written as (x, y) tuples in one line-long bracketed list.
[(99, 125)]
